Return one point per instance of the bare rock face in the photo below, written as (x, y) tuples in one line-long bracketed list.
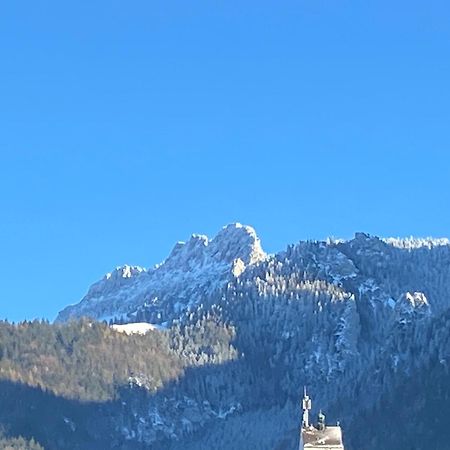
[(412, 305), (193, 271)]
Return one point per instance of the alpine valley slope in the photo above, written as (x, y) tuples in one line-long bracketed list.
[(354, 320)]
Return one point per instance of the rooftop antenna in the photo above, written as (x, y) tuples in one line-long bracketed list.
[(306, 406)]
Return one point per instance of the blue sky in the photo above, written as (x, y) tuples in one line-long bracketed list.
[(126, 126)]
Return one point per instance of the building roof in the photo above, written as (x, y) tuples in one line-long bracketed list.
[(329, 438)]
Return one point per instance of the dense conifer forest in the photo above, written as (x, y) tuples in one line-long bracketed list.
[(364, 324)]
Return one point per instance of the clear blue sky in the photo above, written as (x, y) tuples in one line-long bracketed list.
[(128, 125)]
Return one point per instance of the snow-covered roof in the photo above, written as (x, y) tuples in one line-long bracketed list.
[(329, 438)]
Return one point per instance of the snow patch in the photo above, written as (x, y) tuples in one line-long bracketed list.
[(136, 328)]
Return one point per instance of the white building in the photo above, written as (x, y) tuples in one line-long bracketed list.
[(320, 437)]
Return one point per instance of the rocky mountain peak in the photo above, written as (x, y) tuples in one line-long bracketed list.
[(234, 241), (237, 241), (192, 271)]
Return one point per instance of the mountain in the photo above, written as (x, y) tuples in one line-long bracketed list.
[(233, 335), (192, 271)]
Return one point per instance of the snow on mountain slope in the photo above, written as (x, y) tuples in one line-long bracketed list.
[(192, 271), (360, 314), (135, 328), (412, 243), (410, 305), (376, 271)]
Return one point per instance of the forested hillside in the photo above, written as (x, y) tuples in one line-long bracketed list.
[(83, 360), (363, 323), (82, 384)]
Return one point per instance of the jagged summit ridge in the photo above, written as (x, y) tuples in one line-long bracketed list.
[(234, 241), (238, 241), (199, 268), (193, 270)]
